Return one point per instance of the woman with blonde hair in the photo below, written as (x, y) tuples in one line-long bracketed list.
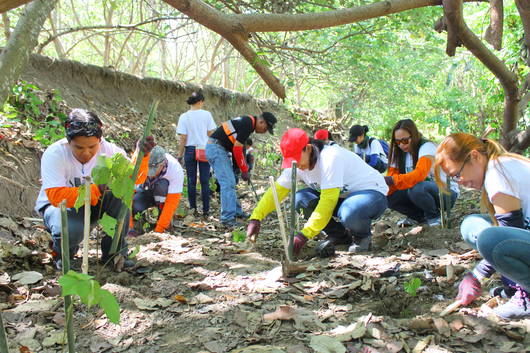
[(503, 238)]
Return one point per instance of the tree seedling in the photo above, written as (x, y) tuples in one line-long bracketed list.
[(239, 236), (411, 286)]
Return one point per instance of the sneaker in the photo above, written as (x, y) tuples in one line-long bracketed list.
[(326, 248), (75, 264), (434, 222), (361, 244), (231, 224), (129, 263), (502, 291), (243, 215), (517, 307), (133, 233), (406, 222)]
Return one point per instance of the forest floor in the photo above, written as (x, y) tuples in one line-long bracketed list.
[(197, 290)]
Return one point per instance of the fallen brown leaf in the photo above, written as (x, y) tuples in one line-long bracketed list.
[(181, 299), (283, 312)]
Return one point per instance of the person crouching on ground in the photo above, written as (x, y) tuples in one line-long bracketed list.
[(231, 137), (368, 148), (162, 188), (340, 186), (325, 136), (503, 237), (413, 191), (64, 166)]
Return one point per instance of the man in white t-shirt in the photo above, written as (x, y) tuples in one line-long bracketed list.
[(64, 166), (162, 188)]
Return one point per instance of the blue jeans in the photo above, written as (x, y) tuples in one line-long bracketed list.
[(204, 176), (355, 213), (507, 249), (420, 202), (108, 204), (222, 167), (156, 196)]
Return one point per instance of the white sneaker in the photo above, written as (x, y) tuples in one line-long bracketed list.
[(434, 222), (406, 222)]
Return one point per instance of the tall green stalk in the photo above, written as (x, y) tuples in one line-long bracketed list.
[(123, 210), (65, 253)]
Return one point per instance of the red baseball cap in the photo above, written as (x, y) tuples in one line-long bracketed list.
[(322, 134), (293, 142)]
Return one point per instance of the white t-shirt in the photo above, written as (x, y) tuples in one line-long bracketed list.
[(59, 168), (511, 177), (195, 124), (174, 174), (372, 148), (427, 149), (338, 168)]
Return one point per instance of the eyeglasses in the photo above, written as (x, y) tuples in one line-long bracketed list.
[(404, 140), (458, 176)]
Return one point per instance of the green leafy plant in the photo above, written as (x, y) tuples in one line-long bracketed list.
[(238, 236), (90, 293), (412, 285), (135, 252), (115, 172), (42, 116)]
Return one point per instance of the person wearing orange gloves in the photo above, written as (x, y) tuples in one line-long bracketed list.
[(64, 166), (413, 191), (343, 197), (162, 188)]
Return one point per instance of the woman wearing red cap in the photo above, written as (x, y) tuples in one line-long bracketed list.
[(340, 186), (325, 136)]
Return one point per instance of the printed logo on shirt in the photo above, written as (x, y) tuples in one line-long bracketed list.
[(78, 181)]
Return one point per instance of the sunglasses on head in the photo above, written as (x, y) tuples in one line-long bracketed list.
[(404, 140)]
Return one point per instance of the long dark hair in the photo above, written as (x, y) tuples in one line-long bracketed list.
[(395, 155), (317, 147)]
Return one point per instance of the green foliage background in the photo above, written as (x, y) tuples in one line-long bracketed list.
[(373, 72)]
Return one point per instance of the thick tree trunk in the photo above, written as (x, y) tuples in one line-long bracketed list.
[(21, 43), (459, 32)]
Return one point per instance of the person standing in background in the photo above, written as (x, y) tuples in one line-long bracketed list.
[(194, 127)]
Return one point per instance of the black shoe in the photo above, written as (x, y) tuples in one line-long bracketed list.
[(503, 292), (361, 244), (232, 224), (326, 248), (243, 215)]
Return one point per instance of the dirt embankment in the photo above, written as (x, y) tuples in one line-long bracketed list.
[(122, 101)]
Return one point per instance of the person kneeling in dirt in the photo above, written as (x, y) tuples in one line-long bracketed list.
[(64, 166), (503, 237), (343, 198), (324, 136), (231, 137), (371, 149), (413, 191), (162, 188)]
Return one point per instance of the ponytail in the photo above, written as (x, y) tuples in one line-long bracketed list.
[(457, 147)]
